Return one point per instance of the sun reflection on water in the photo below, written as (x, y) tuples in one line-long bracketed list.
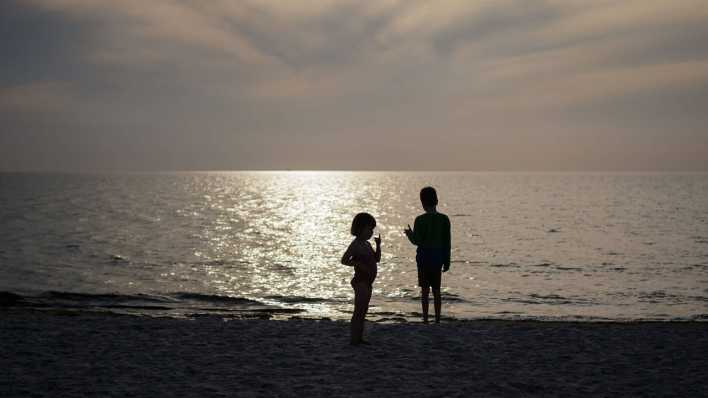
[(309, 212), (278, 235)]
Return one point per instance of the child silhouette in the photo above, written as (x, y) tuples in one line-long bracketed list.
[(364, 259), (431, 233)]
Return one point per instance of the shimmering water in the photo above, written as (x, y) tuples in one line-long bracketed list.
[(538, 245)]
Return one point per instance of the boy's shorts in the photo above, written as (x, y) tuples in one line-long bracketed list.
[(430, 263)]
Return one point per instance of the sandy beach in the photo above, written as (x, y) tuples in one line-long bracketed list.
[(50, 354)]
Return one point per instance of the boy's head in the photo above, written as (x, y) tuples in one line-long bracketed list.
[(428, 197), (363, 225)]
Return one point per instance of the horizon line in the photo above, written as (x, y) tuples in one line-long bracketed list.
[(167, 171)]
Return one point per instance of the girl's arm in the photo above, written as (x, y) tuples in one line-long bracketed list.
[(351, 258), (349, 255), (377, 255)]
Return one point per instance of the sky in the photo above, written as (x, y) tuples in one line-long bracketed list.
[(527, 85)]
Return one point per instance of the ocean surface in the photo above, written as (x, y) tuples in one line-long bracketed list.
[(551, 246)]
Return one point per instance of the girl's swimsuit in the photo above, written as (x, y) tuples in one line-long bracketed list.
[(365, 255)]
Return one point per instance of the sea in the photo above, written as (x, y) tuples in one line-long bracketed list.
[(533, 246)]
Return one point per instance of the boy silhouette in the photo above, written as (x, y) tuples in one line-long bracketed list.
[(431, 233)]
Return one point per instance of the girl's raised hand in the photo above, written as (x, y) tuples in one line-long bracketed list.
[(378, 240)]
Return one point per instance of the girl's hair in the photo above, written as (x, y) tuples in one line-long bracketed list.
[(428, 197), (360, 221)]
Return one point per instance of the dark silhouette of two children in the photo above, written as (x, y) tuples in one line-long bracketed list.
[(430, 233)]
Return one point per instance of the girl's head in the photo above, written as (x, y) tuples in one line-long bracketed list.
[(428, 197), (363, 226)]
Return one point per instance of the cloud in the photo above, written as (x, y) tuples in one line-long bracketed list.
[(38, 97), (176, 22), (268, 74), (611, 18)]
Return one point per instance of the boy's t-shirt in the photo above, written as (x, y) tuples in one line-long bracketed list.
[(432, 231)]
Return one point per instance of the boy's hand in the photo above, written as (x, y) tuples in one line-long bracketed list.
[(408, 231), (378, 240)]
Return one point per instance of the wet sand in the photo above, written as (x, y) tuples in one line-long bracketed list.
[(50, 354)]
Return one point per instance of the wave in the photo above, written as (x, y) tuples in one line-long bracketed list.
[(446, 297), (171, 304), (700, 239), (566, 268), (502, 265), (662, 297), (552, 299), (214, 299), (308, 300), (101, 297), (7, 299)]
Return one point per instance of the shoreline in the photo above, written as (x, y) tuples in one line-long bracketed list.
[(118, 355), (142, 305), (285, 314)]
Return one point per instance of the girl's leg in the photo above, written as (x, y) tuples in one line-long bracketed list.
[(355, 324), (365, 307), (424, 292), (362, 294)]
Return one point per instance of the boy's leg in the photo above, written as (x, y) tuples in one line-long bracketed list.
[(437, 302), (424, 283), (435, 278), (424, 292)]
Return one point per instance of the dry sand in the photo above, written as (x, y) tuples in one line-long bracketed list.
[(48, 354)]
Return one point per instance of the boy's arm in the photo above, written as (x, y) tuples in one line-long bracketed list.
[(411, 233), (378, 250), (448, 248)]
